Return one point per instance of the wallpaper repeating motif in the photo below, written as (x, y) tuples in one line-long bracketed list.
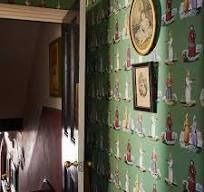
[(134, 150)]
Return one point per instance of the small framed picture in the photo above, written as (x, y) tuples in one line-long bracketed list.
[(145, 86), (55, 68)]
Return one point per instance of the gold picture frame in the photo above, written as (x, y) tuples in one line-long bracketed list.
[(55, 68), (143, 25)]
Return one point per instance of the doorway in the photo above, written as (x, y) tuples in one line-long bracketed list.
[(26, 73)]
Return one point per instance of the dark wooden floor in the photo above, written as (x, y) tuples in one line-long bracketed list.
[(46, 159)]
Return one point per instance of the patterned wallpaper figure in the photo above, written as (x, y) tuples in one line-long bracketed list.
[(117, 58), (170, 97), (154, 168), (139, 127), (129, 159), (171, 56), (194, 133), (152, 132), (185, 134), (170, 13), (117, 144), (125, 30), (117, 94), (169, 137), (192, 177), (126, 121), (168, 10), (128, 63), (190, 8), (170, 179), (188, 102), (191, 137), (138, 187), (154, 188), (126, 189), (117, 178), (116, 120), (141, 160), (116, 37), (202, 97), (127, 97), (191, 183), (192, 53)]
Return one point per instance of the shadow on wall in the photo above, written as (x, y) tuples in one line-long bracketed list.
[(97, 124)]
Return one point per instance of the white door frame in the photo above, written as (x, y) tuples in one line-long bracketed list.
[(41, 14), (82, 63)]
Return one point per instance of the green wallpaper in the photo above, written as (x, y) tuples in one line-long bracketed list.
[(56, 4), (135, 150)]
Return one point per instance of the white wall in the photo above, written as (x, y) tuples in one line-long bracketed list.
[(38, 87), (23, 51)]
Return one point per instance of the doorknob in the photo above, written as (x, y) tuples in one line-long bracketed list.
[(85, 164), (89, 163)]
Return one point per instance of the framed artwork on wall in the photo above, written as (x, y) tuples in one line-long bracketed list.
[(55, 68), (145, 86), (143, 25)]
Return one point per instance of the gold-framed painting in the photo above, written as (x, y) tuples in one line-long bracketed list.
[(55, 68), (143, 25)]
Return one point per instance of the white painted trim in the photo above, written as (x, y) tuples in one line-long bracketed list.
[(82, 63), (29, 13)]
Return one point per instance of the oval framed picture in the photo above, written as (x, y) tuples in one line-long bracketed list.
[(143, 25)]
